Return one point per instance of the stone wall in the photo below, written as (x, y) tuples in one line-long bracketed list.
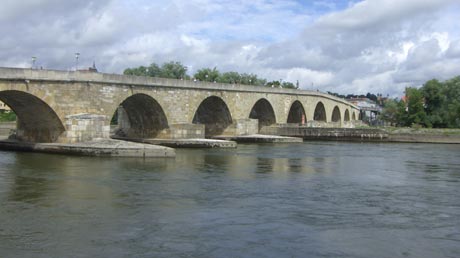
[(65, 104)]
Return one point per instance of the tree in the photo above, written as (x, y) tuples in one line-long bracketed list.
[(452, 105), (288, 85), (390, 112), (415, 107), (153, 71), (207, 74), (174, 70), (434, 101), (249, 79), (273, 84), (394, 112), (230, 77)]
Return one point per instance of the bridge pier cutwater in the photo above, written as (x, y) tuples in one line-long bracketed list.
[(71, 107)]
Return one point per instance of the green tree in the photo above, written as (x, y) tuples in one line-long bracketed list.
[(452, 106), (390, 112), (174, 70), (434, 101), (153, 71), (273, 84), (394, 112), (415, 107), (230, 77), (288, 85), (138, 71), (207, 74)]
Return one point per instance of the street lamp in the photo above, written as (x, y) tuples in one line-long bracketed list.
[(206, 77), (33, 61), (77, 55)]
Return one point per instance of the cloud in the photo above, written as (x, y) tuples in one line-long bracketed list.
[(377, 46)]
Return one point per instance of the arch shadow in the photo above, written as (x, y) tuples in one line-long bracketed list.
[(336, 114), (346, 117), (140, 116), (214, 114), (263, 111), (296, 113), (320, 112), (36, 120)]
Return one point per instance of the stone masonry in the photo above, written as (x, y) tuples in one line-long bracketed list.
[(62, 106)]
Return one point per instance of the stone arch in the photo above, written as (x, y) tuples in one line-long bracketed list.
[(353, 117), (214, 114), (263, 111), (296, 113), (37, 121), (140, 116), (346, 117), (336, 114), (320, 112)]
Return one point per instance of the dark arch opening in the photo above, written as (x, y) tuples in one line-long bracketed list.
[(214, 114), (320, 112), (263, 111), (296, 113), (139, 116), (336, 114), (347, 115), (353, 116), (37, 121)]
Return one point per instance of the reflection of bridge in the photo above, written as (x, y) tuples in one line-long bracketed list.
[(59, 106)]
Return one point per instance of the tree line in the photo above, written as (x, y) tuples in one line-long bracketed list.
[(435, 105), (176, 70)]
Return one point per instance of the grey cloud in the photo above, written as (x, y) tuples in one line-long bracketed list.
[(454, 50), (354, 49), (425, 53)]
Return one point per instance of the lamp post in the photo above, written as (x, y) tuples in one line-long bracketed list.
[(77, 55), (33, 62)]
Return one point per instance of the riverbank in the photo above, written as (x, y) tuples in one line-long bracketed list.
[(424, 135), (368, 134)]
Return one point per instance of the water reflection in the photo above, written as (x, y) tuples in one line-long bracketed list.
[(264, 165), (325, 200)]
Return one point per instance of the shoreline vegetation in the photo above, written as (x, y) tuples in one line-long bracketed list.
[(176, 70)]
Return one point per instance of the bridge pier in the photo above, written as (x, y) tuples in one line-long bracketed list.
[(85, 127)]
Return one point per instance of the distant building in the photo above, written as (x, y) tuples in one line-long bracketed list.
[(369, 109), (4, 107)]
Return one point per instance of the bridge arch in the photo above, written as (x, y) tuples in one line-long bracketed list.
[(213, 112), (37, 121), (296, 113), (320, 112), (263, 111), (353, 117), (336, 114), (346, 117), (140, 116)]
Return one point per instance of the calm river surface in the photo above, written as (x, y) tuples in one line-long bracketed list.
[(316, 199)]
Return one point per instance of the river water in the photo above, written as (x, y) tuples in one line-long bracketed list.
[(315, 199)]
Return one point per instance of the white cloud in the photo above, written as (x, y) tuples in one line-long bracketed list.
[(374, 46)]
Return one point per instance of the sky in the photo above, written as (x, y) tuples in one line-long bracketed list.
[(343, 46)]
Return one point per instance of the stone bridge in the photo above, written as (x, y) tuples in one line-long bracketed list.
[(69, 106)]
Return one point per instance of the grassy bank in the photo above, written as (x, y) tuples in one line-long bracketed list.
[(422, 131), (7, 116)]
